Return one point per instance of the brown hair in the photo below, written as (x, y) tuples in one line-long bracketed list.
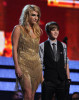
[(50, 26)]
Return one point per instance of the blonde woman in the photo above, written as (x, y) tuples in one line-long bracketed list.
[(25, 41)]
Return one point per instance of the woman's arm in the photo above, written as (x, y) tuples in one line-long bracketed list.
[(15, 39)]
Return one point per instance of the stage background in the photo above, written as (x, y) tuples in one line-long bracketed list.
[(66, 17)]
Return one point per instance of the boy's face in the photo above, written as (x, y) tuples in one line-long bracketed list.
[(54, 34)]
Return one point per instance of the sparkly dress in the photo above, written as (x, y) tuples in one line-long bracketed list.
[(28, 60)]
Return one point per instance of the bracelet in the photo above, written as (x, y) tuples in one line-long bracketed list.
[(69, 80)]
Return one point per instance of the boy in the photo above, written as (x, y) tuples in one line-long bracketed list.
[(56, 71)]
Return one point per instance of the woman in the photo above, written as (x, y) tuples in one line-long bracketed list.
[(25, 40)]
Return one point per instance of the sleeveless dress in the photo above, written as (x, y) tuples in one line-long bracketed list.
[(29, 60)]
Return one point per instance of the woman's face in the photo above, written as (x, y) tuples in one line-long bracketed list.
[(33, 17)]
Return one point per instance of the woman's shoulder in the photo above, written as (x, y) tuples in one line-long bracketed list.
[(20, 27), (16, 30), (17, 27)]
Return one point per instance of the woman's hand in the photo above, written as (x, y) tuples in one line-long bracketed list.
[(18, 72)]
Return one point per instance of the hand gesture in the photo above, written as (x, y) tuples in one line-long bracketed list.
[(18, 72)]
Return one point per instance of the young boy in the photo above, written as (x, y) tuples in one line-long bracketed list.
[(56, 71)]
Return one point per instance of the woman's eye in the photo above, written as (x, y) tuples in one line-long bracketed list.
[(35, 15)]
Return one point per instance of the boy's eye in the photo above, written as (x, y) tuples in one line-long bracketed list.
[(54, 29)]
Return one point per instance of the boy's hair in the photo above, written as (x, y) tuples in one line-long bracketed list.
[(50, 26)]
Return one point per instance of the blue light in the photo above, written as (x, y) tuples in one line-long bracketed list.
[(6, 61), (74, 76), (7, 86), (74, 88), (74, 64), (10, 86), (7, 73)]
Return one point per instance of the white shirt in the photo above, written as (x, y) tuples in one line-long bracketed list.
[(41, 50)]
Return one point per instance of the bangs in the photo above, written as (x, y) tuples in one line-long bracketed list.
[(36, 9), (53, 27)]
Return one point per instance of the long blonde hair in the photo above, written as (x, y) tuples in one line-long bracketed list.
[(24, 19)]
